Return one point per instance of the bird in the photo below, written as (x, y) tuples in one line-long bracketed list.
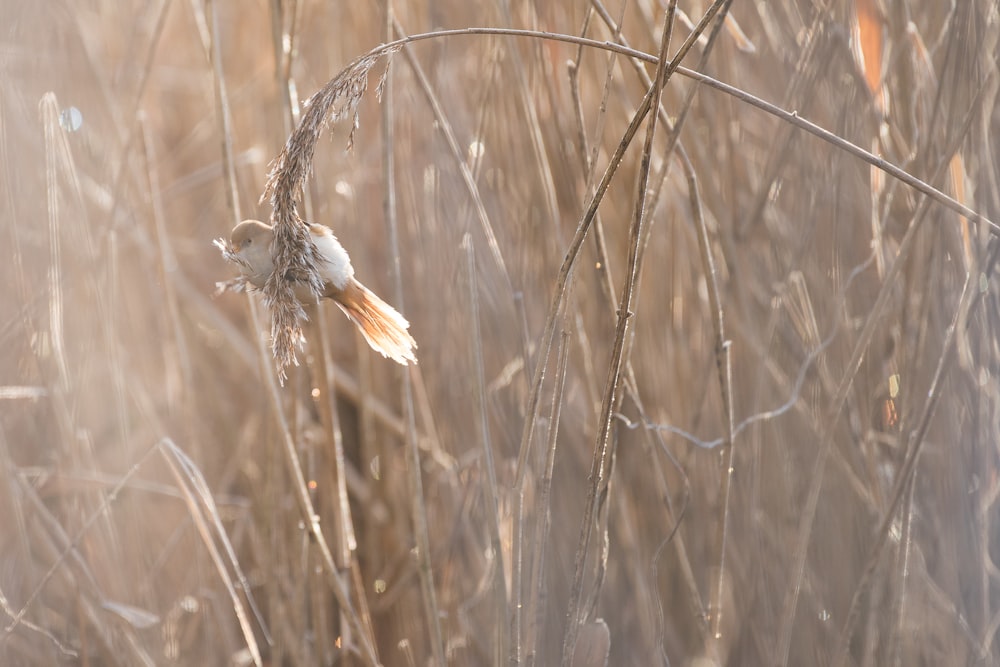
[(385, 330)]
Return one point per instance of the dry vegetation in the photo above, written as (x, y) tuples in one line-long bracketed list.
[(749, 417)]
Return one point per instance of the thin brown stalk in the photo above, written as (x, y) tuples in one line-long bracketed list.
[(67, 558), (346, 540), (457, 154), (532, 126), (588, 156), (503, 607), (588, 218), (312, 522), (534, 614), (807, 516), (421, 528), (914, 445), (724, 368), (225, 116), (563, 280), (49, 110), (167, 264), (631, 384), (901, 579), (602, 451), (805, 73), (284, 42), (205, 517), (674, 128), (573, 74)]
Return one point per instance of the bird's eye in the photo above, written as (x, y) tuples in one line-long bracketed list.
[(248, 241)]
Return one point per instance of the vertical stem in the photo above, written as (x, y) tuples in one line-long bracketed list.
[(722, 360), (420, 526), (598, 480), (493, 504)]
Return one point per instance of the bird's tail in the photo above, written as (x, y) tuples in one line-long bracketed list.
[(380, 324)]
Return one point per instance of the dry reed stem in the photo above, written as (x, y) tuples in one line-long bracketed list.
[(722, 344), (284, 44), (49, 110), (167, 265), (807, 517), (613, 405), (794, 396), (11, 493), (724, 368), (505, 608), (458, 156), (905, 476), (312, 522), (532, 126), (600, 470), (631, 384), (794, 98), (543, 514), (563, 281), (347, 542), (208, 523), (66, 558), (674, 128), (420, 520)]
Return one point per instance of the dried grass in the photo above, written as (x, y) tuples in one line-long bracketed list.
[(729, 396)]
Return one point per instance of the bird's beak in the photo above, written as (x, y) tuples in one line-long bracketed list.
[(235, 248)]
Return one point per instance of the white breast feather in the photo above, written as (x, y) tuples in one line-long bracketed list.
[(337, 269)]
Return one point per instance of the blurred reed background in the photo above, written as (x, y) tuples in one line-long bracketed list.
[(149, 505)]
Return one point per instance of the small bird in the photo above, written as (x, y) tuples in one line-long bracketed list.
[(380, 324)]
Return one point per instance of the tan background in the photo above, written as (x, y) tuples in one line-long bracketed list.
[(115, 358)]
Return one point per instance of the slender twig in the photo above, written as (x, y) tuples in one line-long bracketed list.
[(55, 544), (284, 43), (532, 127), (724, 367), (808, 513), (49, 110), (806, 71), (312, 521), (563, 279), (491, 491), (914, 446), (902, 578), (420, 523), (793, 396), (630, 382), (167, 258), (534, 614), (207, 521), (720, 7), (598, 479), (448, 131), (71, 546)]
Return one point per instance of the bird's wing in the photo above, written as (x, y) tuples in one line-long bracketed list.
[(337, 267)]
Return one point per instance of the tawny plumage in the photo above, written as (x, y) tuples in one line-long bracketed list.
[(383, 328), (380, 324)]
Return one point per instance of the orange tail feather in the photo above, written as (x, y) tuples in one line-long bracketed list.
[(384, 329)]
